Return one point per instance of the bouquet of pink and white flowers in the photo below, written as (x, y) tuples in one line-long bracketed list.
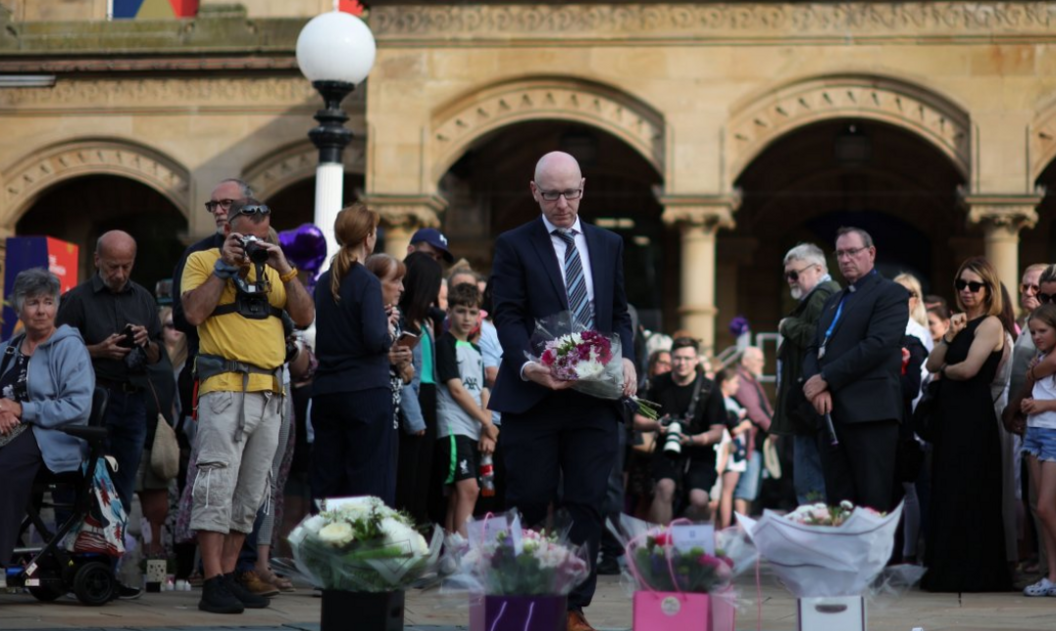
[(821, 514), (502, 558), (589, 359)]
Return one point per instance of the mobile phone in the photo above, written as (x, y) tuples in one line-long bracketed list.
[(130, 338), (407, 340)]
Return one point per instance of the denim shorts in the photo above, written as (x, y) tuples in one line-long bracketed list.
[(1040, 442), (748, 485)]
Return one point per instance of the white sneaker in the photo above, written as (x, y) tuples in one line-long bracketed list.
[(1044, 587)]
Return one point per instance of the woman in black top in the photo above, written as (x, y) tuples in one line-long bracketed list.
[(352, 408)]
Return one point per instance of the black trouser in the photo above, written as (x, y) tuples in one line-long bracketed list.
[(572, 437), (861, 468), (353, 452), (414, 468), (20, 460)]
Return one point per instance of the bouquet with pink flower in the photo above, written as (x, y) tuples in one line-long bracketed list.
[(584, 356)]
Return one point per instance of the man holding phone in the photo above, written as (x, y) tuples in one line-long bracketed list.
[(118, 320)]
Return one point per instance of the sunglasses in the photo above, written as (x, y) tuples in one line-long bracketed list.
[(972, 286), (254, 209), (1025, 287), (212, 205), (794, 274), (1046, 298), (169, 325)]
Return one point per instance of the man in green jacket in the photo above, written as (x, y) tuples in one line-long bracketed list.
[(809, 282)]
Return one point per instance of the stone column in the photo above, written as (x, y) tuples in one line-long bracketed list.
[(699, 218), (402, 215), (1001, 218)]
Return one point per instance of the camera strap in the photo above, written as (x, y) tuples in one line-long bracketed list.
[(698, 389)]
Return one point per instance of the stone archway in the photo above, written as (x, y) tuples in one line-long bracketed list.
[(1042, 141), (26, 180), (456, 126), (294, 163), (769, 116)]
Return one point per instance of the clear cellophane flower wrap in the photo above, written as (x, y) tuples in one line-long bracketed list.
[(361, 545), (501, 558), (814, 558), (655, 563), (591, 360)]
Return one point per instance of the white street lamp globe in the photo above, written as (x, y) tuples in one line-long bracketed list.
[(336, 46)]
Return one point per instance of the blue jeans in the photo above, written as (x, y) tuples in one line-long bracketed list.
[(126, 422), (747, 488), (807, 475)]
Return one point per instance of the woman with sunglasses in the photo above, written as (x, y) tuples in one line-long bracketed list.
[(966, 551)]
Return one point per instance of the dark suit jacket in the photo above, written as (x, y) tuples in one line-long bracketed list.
[(527, 286), (863, 359)]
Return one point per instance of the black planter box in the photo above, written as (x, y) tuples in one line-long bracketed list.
[(362, 611)]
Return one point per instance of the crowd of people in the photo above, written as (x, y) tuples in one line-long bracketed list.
[(410, 380)]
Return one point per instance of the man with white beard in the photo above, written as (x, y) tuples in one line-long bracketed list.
[(809, 283)]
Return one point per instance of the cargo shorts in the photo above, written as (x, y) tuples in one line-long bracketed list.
[(234, 475)]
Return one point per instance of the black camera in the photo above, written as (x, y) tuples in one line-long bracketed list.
[(255, 249)]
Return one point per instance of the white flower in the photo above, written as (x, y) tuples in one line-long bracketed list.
[(589, 369), (337, 534), (846, 505), (398, 533)]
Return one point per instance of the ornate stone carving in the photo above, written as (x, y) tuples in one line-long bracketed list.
[(297, 162), (201, 93), (1009, 211), (711, 212), (710, 23), (1042, 141), (457, 126), (768, 117), (408, 212), (49, 166)]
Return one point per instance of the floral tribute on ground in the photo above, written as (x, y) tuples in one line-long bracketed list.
[(589, 359), (682, 574), (362, 545)]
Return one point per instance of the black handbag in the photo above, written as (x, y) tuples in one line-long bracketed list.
[(927, 418)]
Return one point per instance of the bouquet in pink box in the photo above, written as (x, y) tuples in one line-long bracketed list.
[(683, 574), (589, 359)]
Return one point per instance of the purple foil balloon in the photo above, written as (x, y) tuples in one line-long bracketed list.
[(305, 247)]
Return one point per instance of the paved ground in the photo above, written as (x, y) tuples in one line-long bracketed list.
[(432, 611)]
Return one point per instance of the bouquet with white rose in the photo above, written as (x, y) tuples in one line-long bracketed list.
[(362, 545)]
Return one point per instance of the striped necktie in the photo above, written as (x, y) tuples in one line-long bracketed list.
[(575, 283)]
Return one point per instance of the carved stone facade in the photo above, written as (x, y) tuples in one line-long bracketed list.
[(46, 168), (455, 127)]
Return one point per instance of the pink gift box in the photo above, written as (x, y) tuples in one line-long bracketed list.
[(673, 611)]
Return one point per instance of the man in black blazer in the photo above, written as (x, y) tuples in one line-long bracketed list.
[(852, 371), (550, 432)]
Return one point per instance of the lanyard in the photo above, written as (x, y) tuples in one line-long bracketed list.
[(832, 325)]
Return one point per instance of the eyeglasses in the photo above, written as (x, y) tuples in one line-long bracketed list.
[(849, 252), (254, 209), (1027, 288), (1046, 298), (794, 274), (553, 196), (972, 286), (212, 204)]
